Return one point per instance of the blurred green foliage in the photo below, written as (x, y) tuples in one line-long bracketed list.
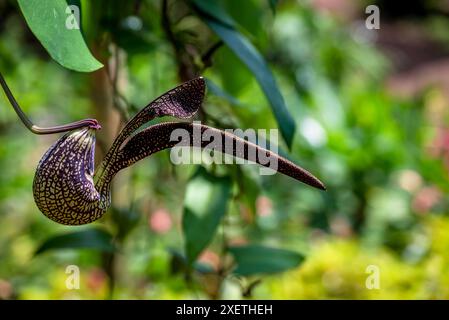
[(381, 157), (338, 269)]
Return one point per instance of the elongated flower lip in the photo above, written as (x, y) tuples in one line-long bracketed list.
[(318, 184), (160, 136)]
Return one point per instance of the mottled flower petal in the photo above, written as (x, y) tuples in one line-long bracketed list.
[(63, 187), (158, 137)]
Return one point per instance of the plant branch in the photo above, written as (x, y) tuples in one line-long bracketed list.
[(186, 68), (119, 101), (206, 58), (92, 123)]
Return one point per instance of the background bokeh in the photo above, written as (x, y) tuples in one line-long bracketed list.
[(371, 112)]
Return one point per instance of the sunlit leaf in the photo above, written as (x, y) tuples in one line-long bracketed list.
[(204, 206), (95, 239), (49, 21), (254, 259)]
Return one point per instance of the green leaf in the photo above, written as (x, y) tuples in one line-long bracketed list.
[(47, 20), (87, 239), (254, 259), (211, 9), (255, 62), (204, 206)]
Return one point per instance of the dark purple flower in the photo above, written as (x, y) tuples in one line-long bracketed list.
[(66, 188)]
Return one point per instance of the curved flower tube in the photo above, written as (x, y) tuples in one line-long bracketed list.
[(67, 190)]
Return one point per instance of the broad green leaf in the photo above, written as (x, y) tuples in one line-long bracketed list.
[(52, 23), (254, 259), (211, 9), (87, 239), (255, 62), (249, 55), (204, 206)]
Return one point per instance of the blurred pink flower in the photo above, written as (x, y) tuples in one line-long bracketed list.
[(210, 258), (96, 280), (160, 221), (426, 199), (246, 214), (238, 241), (439, 147), (340, 8), (341, 227), (5, 289), (264, 206)]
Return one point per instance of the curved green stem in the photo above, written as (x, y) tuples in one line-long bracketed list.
[(92, 123)]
